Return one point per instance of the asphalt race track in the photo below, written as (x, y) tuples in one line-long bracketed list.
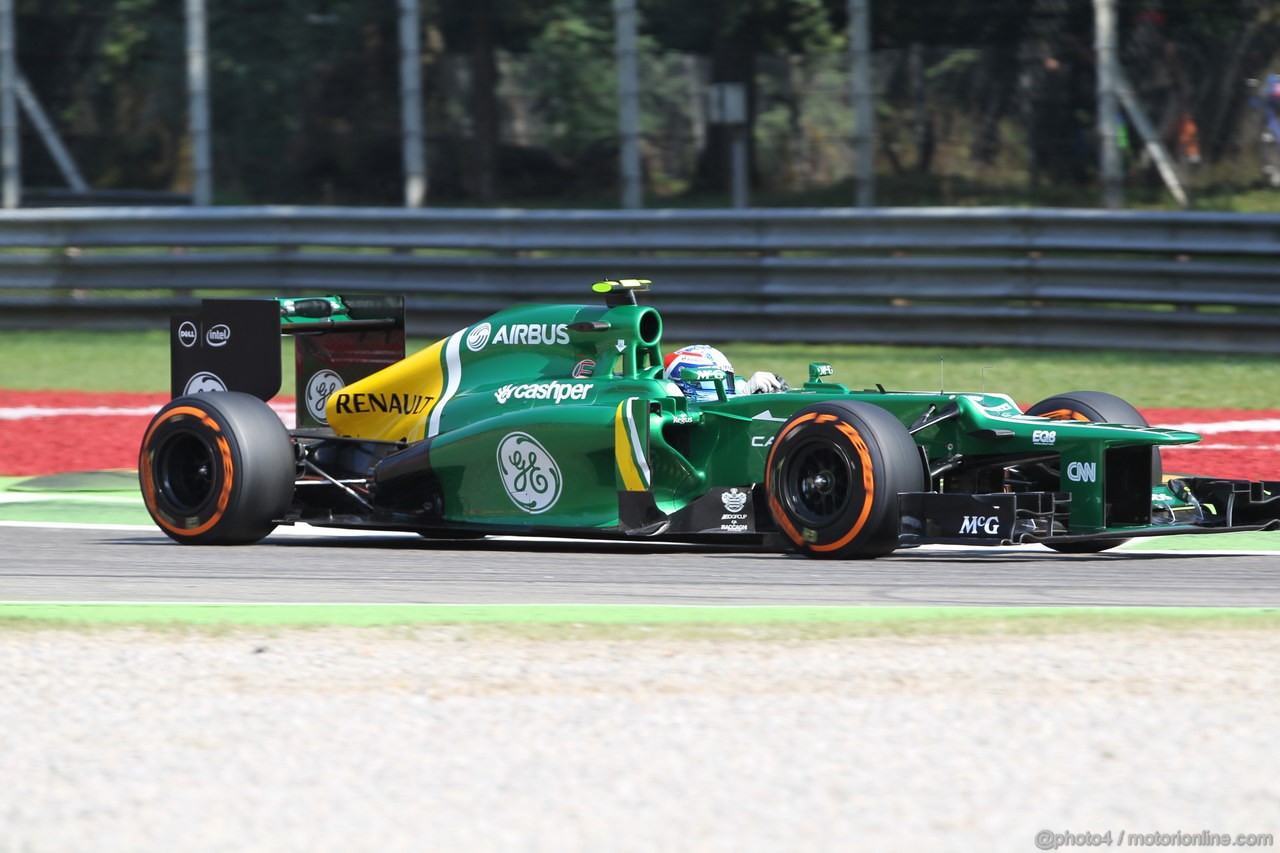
[(139, 565)]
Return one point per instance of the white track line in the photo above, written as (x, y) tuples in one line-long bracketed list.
[(286, 411)]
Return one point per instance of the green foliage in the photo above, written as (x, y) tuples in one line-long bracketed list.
[(576, 80)]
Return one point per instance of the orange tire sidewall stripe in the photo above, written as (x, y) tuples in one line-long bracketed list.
[(776, 508), (868, 484), (228, 478), (868, 481), (1064, 415)]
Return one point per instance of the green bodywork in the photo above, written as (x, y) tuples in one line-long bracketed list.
[(524, 426)]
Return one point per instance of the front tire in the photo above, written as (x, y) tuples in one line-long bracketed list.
[(216, 469), (833, 478), (1097, 407)]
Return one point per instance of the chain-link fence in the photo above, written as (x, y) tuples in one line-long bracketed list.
[(305, 109)]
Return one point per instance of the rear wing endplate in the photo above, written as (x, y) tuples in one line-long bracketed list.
[(234, 345)]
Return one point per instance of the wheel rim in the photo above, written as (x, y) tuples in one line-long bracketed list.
[(819, 483), (186, 474)]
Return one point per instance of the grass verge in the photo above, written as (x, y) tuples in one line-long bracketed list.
[(131, 361)]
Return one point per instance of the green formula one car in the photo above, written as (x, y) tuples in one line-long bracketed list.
[(560, 420)]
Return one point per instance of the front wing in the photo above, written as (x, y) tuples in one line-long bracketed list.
[(1185, 506)]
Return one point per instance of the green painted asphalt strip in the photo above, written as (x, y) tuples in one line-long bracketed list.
[(69, 509), (367, 615), (91, 497), (1267, 541)]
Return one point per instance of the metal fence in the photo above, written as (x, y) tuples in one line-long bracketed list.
[(1205, 282)]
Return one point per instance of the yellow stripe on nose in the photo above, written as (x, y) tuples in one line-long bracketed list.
[(632, 480)]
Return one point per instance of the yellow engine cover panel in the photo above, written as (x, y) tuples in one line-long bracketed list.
[(393, 404)]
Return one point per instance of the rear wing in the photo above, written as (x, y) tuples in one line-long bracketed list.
[(234, 345)]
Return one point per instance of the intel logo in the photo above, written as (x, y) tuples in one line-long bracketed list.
[(218, 335), (187, 334)]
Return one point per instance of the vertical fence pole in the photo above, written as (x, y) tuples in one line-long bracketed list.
[(1104, 13), (864, 116), (9, 162), (412, 143), (624, 23), (198, 103), (739, 180)]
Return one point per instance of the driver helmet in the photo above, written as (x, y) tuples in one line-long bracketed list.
[(699, 356)]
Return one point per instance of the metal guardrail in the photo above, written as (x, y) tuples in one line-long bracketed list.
[(999, 276)]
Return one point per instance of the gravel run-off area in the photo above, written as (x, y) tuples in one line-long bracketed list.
[(451, 738)]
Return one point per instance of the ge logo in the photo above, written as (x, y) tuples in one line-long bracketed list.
[(529, 474), (321, 386), (479, 337)]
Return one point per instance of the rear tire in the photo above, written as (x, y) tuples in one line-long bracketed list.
[(1097, 407), (216, 469), (833, 477)]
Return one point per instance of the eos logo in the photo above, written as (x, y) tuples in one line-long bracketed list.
[(218, 335), (320, 388), (1044, 436), (204, 382), (188, 334), (734, 499), (975, 524), (1082, 472), (479, 337), (529, 474)]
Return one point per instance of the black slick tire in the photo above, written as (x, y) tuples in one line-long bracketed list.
[(216, 469), (833, 477)]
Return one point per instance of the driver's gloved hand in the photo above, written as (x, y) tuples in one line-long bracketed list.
[(763, 382)]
